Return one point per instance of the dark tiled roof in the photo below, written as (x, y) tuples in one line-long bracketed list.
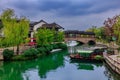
[(34, 23), (79, 32), (52, 25)]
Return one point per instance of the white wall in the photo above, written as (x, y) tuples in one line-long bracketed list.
[(38, 25)]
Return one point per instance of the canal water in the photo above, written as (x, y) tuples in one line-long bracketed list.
[(57, 66)]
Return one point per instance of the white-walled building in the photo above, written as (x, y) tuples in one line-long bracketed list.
[(34, 26)]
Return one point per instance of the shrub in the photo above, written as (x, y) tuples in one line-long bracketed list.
[(98, 57), (55, 46), (49, 47), (8, 54), (31, 52), (18, 57), (62, 46), (41, 50)]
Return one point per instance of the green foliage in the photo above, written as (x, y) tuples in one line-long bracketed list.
[(7, 14), (41, 50), (98, 57), (15, 29), (45, 49), (99, 32), (49, 47), (8, 54), (44, 37), (55, 46), (18, 57), (30, 53), (62, 46), (59, 36), (116, 29)]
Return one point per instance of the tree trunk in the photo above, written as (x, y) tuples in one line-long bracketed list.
[(17, 52)]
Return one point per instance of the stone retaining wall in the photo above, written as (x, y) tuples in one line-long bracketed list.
[(21, 50), (113, 62)]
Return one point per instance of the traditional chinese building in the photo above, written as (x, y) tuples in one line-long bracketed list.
[(34, 26)]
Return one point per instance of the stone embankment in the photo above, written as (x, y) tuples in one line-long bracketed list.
[(21, 49), (114, 62)]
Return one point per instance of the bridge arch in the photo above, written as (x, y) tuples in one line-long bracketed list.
[(91, 42), (81, 36)]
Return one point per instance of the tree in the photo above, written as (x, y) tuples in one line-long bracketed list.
[(112, 27), (15, 29), (44, 37), (60, 36), (99, 32), (116, 29)]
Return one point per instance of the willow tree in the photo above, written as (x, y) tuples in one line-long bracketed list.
[(15, 29)]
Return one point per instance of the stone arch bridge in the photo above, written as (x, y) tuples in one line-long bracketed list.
[(80, 36)]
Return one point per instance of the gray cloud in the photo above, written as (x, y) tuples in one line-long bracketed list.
[(68, 13), (68, 7)]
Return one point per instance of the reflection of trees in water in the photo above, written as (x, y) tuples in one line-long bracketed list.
[(86, 65), (110, 73), (15, 70), (50, 63), (11, 71)]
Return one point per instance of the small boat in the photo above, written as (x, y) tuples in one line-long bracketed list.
[(87, 56), (96, 54)]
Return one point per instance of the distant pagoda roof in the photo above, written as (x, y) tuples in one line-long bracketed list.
[(79, 32)]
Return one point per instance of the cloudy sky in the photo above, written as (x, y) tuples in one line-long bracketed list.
[(71, 14)]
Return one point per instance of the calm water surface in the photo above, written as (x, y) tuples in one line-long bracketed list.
[(57, 66)]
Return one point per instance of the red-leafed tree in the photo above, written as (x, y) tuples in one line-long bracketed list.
[(112, 27)]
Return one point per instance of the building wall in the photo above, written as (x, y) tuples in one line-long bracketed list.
[(37, 26)]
